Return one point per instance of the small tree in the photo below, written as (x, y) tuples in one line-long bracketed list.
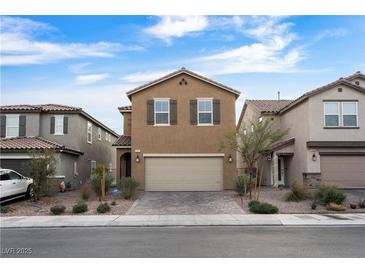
[(41, 167), (252, 143)]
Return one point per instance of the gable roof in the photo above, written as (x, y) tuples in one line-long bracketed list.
[(178, 72), (269, 106), (53, 108), (34, 143)]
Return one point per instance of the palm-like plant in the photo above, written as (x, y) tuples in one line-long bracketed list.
[(253, 141)]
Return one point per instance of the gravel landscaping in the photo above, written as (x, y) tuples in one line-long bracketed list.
[(277, 197), (23, 207)]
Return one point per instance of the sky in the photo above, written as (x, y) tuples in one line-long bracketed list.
[(92, 61)]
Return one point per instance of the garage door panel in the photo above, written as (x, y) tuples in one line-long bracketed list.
[(343, 171), (184, 174)]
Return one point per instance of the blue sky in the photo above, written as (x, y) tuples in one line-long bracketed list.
[(91, 61)]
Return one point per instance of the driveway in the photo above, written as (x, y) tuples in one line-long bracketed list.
[(166, 203)]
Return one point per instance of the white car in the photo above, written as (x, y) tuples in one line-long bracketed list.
[(13, 184)]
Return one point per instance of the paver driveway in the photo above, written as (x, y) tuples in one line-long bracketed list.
[(163, 203)]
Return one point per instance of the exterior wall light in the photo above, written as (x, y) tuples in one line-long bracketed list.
[(137, 159), (314, 157), (230, 159)]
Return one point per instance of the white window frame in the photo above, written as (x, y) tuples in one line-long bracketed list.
[(99, 134), (338, 113), (58, 118), (92, 165), (198, 112), (356, 113), (168, 111), (7, 126), (89, 130), (75, 169)]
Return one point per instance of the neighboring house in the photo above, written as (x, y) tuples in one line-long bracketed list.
[(173, 133), (79, 140), (325, 143)]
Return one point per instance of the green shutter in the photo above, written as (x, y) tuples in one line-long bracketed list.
[(193, 112), (22, 125), (52, 125), (173, 112), (3, 126), (65, 125), (216, 112), (150, 112)]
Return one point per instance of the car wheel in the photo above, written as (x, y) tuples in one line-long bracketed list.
[(30, 192)]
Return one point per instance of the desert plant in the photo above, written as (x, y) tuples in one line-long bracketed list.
[(329, 194), (263, 208), (80, 207), (241, 184), (5, 209), (86, 191), (298, 192), (253, 203), (128, 187), (314, 205), (362, 203), (57, 209), (103, 208), (96, 177), (335, 207), (113, 203)]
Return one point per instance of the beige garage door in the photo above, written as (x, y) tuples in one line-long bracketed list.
[(184, 174), (343, 171)]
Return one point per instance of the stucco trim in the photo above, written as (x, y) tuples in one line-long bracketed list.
[(342, 153), (122, 146), (183, 155), (336, 144)]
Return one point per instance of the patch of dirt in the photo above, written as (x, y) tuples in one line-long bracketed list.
[(23, 207), (278, 198)]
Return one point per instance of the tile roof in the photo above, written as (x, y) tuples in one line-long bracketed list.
[(177, 72), (269, 106), (125, 108), (33, 143), (123, 140), (43, 107)]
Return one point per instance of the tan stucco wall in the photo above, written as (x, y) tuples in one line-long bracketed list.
[(183, 137), (119, 153), (127, 123)]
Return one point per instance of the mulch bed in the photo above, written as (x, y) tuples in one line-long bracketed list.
[(23, 207), (277, 197)]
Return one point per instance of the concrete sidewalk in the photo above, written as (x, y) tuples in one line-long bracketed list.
[(184, 220)]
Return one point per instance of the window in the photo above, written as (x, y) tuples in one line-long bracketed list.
[(349, 114), (331, 114), (205, 112), (99, 134), (162, 111), (92, 166), (75, 169), (14, 176), (4, 176), (58, 125), (12, 125), (106, 136), (261, 119), (346, 110), (89, 136)]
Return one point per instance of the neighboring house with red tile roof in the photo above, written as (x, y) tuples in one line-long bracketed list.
[(79, 140), (325, 143)]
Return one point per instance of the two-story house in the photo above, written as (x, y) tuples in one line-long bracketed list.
[(79, 140), (325, 143), (173, 133)]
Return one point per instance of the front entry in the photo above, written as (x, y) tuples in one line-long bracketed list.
[(281, 171), (125, 165)]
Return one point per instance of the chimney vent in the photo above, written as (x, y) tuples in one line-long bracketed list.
[(278, 95)]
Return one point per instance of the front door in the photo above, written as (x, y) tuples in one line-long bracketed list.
[(280, 172)]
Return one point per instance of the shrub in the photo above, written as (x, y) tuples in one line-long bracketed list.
[(362, 203), (5, 209), (241, 182), (335, 207), (298, 192), (58, 209), (128, 187), (329, 194), (113, 203), (80, 207), (103, 208), (86, 191), (314, 205), (252, 203), (96, 177), (263, 208)]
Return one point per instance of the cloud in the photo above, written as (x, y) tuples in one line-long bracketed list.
[(20, 46), (145, 76), (270, 51), (331, 33), (177, 26), (78, 68), (90, 78)]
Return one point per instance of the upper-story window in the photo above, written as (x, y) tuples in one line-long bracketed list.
[(340, 114), (162, 111), (89, 134), (58, 128), (12, 125), (99, 134), (205, 112)]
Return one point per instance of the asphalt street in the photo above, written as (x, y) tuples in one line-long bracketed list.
[(245, 241)]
